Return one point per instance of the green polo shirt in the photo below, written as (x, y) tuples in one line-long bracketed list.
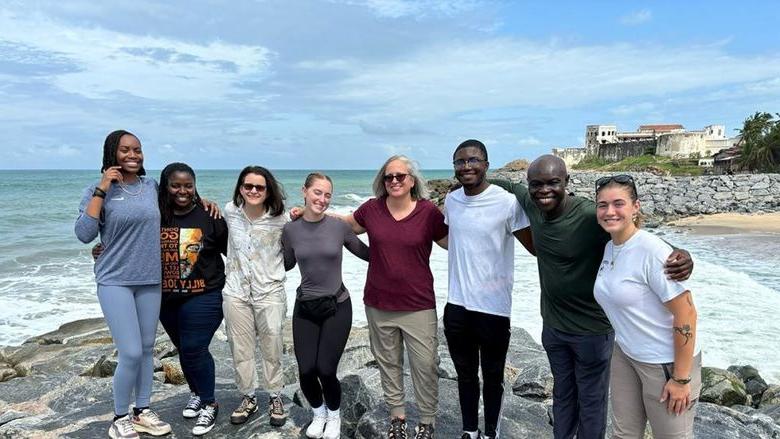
[(569, 250)]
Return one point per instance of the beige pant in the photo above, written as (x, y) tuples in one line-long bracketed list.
[(248, 322), (636, 389), (389, 331)]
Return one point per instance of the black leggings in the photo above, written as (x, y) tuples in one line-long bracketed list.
[(475, 337), (318, 349)]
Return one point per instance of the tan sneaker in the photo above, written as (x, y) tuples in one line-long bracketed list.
[(246, 409), (276, 411), (148, 422), (122, 428)]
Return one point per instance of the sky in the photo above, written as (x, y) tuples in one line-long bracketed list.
[(344, 84)]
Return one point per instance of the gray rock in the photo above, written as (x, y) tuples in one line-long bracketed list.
[(722, 387), (754, 384), (535, 380), (718, 422), (771, 396), (84, 331)]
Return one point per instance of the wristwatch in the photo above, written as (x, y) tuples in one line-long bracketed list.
[(681, 380), (99, 193)]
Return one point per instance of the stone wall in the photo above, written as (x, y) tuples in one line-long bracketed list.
[(617, 151), (665, 198)]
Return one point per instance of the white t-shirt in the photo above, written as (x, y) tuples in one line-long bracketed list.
[(632, 288), (482, 248)]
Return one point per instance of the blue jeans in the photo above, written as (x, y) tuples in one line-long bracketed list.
[(191, 323), (580, 368)]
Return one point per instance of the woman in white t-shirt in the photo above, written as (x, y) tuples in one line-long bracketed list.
[(656, 365)]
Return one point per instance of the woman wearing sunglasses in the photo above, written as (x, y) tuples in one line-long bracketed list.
[(322, 317), (656, 364), (254, 301), (399, 297)]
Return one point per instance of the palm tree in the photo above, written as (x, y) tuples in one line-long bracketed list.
[(760, 142)]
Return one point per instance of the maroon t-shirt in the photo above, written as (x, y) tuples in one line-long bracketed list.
[(399, 273)]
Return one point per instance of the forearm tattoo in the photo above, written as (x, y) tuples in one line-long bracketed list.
[(685, 331)]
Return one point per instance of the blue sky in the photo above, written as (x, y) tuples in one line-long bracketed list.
[(342, 84)]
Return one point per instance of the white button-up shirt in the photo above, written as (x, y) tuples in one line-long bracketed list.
[(254, 267)]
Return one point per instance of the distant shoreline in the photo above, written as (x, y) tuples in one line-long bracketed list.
[(730, 223)]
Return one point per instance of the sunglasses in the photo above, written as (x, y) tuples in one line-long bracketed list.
[(471, 161), (398, 177), (249, 186), (623, 179)]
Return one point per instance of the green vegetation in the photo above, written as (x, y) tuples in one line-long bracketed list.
[(760, 142), (644, 163)]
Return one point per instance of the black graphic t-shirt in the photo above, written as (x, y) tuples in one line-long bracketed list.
[(192, 252)]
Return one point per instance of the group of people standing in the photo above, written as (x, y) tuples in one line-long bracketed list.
[(162, 259)]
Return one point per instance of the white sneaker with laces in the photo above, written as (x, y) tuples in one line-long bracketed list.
[(314, 431), (122, 428), (333, 426), (148, 422)]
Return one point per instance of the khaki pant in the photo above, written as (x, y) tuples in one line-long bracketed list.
[(636, 389), (389, 331), (248, 322)]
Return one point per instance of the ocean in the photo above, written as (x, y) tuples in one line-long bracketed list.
[(46, 276)]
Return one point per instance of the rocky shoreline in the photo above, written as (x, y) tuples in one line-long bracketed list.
[(59, 385), (665, 199)]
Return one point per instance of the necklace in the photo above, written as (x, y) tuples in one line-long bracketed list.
[(133, 194)]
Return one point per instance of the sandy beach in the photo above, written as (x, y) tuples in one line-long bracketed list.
[(730, 223)]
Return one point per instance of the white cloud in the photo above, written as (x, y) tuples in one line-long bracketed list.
[(636, 18), (418, 8), (464, 76), (633, 108), (103, 62), (529, 141)]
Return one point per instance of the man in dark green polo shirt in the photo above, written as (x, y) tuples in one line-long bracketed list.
[(577, 335)]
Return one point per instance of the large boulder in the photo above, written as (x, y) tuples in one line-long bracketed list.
[(535, 380), (86, 331), (722, 387), (718, 422), (754, 384), (771, 396)]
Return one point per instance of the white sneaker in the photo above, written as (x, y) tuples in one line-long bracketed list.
[(333, 427), (317, 422), (148, 422), (122, 428), (192, 409)]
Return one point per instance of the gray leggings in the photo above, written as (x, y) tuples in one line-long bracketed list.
[(132, 313)]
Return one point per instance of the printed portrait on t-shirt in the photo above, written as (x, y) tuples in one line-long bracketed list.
[(190, 243)]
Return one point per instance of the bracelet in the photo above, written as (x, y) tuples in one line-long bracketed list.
[(682, 381), (100, 193)]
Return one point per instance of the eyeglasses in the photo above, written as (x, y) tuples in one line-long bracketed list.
[(398, 177), (249, 186), (624, 179), (471, 161)]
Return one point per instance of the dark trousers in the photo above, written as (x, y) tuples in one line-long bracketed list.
[(191, 323), (580, 368), (318, 349), (475, 339)]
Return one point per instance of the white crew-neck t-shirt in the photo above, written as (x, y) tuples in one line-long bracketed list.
[(632, 288), (482, 248)]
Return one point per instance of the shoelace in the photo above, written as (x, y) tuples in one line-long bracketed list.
[(206, 416), (193, 403), (124, 425), (396, 430), (276, 406), (151, 415), (423, 432), (245, 403)]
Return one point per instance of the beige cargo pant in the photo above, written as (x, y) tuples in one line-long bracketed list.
[(250, 322), (635, 391), (388, 332)]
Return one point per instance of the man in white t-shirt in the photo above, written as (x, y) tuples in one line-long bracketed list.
[(483, 221)]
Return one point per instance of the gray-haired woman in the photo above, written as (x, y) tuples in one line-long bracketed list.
[(399, 298)]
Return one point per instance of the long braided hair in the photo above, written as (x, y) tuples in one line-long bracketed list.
[(164, 198), (109, 150)]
